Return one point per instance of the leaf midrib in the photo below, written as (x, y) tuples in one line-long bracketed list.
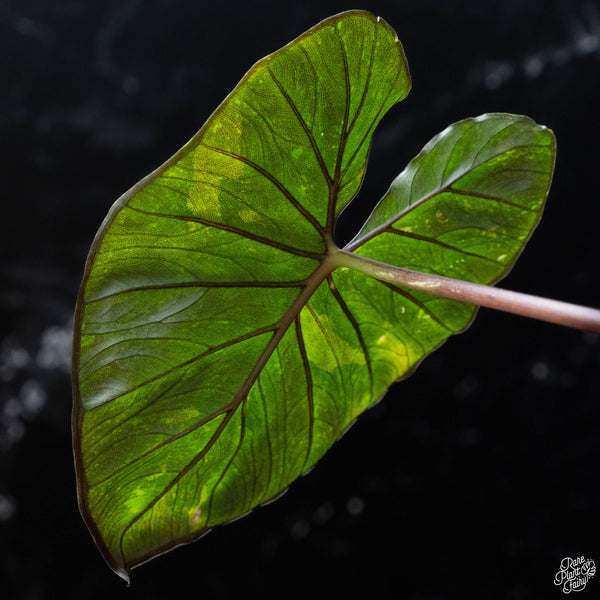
[(313, 282), (357, 242)]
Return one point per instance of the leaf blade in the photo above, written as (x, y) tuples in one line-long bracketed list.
[(464, 208), (195, 298), (461, 151)]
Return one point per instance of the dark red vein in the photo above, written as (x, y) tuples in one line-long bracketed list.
[(430, 240), (417, 303), (267, 436), (324, 333), (219, 188), (315, 79), (492, 138), (354, 244), (452, 190), (329, 343), (174, 481), (305, 127), (225, 410), (456, 141), (309, 389), (137, 353), (101, 423), (274, 132), (203, 284), (367, 82), (288, 195), (369, 130), (225, 227), (334, 185), (355, 325), (224, 345), (231, 458)]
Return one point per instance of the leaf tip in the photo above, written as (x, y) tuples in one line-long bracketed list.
[(124, 574)]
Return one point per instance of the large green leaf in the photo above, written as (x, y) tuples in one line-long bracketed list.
[(218, 350)]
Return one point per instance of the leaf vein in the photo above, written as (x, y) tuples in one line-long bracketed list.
[(355, 325), (309, 389), (230, 228), (288, 195), (431, 240), (305, 128), (202, 284)]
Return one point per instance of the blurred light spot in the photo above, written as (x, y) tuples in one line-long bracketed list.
[(497, 73), (13, 431), (300, 529), (533, 66), (323, 513), (12, 408), (33, 397), (55, 348), (131, 85), (355, 505), (19, 357), (33, 29), (586, 43), (12, 359), (8, 507), (540, 371)]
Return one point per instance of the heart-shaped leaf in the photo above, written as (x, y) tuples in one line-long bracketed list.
[(219, 351)]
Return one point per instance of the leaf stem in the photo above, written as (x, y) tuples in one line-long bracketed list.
[(536, 307)]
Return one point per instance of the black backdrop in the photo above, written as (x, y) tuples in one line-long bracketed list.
[(473, 478)]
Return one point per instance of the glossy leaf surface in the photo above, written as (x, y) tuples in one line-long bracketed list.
[(218, 351), (463, 208)]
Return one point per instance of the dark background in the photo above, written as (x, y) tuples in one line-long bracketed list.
[(473, 478)]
